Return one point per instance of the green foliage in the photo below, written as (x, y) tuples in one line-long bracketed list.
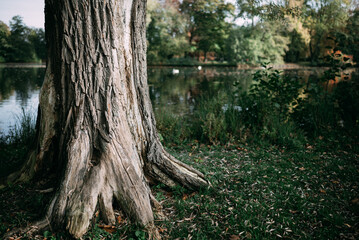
[(15, 146), (253, 45), (20, 43), (166, 33), (37, 39), (172, 129), (206, 23), (322, 18), (4, 41), (278, 109), (211, 125), (21, 48), (324, 111), (249, 9), (268, 105), (296, 48)]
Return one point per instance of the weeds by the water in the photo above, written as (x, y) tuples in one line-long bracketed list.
[(15, 145), (276, 110)]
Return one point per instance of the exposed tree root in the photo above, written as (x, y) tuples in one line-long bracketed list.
[(96, 126)]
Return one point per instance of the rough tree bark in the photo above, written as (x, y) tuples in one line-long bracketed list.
[(96, 126)]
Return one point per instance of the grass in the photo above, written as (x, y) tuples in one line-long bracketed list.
[(267, 194), (15, 145), (256, 193)]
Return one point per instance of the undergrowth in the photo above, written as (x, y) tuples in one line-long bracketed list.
[(16, 144)]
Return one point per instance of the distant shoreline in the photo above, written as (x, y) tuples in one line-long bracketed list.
[(23, 65), (239, 66)]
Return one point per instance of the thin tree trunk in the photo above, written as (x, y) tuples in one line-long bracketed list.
[(96, 126)]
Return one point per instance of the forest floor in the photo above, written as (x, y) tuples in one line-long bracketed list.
[(256, 193)]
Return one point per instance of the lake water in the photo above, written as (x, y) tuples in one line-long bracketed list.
[(170, 91)]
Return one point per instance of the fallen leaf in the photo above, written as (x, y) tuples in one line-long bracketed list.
[(234, 237), (108, 228), (119, 219), (302, 169), (355, 201), (322, 191), (346, 224), (293, 211)]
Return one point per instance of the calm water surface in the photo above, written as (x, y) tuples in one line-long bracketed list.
[(169, 91)]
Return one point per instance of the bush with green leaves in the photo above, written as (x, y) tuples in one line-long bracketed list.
[(324, 111), (267, 106)]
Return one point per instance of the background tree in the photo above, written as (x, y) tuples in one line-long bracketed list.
[(207, 27), (21, 49), (166, 31), (249, 9), (37, 39), (4, 41), (253, 45), (323, 18)]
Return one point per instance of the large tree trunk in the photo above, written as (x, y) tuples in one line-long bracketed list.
[(96, 126)]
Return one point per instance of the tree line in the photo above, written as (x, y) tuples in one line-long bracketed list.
[(287, 31), (192, 31), (20, 43)]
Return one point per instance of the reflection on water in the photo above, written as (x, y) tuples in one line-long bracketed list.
[(19, 89), (169, 91), (177, 93)]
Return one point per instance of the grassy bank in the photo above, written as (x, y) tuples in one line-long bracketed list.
[(256, 193)]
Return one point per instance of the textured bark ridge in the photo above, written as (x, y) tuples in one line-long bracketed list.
[(96, 122)]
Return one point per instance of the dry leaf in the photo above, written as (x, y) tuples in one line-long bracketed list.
[(322, 191), (302, 169), (119, 219), (234, 237), (108, 228)]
